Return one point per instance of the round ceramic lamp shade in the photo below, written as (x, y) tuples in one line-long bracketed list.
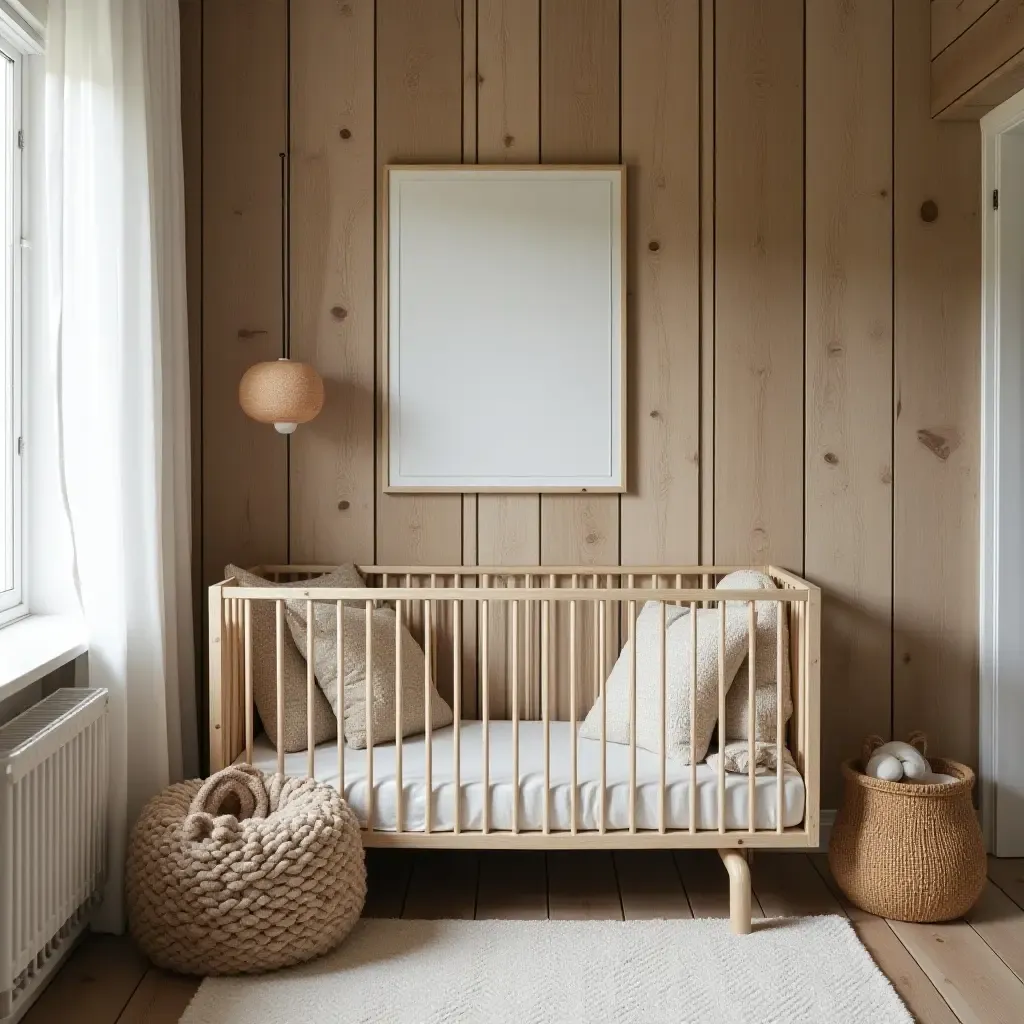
[(281, 392)]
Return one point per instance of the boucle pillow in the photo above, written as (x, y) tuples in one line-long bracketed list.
[(382, 681), (677, 680), (293, 663), (765, 701)]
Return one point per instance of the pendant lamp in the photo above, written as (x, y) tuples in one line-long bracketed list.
[(282, 391)]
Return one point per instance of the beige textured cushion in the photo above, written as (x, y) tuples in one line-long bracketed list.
[(293, 675), (765, 701), (677, 680), (382, 680)]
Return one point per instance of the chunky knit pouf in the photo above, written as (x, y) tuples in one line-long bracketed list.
[(243, 873)]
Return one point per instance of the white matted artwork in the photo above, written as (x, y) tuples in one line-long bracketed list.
[(504, 329)]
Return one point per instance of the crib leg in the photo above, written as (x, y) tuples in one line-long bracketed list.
[(739, 890)]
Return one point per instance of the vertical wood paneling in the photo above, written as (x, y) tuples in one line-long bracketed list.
[(937, 338), (579, 122), (191, 15), (419, 120), (245, 88), (759, 271), (332, 278), (661, 147), (849, 364), (508, 131)]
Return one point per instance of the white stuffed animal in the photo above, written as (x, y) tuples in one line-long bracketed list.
[(900, 762)]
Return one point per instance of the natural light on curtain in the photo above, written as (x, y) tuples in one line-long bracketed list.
[(115, 231)]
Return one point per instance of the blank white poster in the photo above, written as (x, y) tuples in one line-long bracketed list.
[(505, 327)]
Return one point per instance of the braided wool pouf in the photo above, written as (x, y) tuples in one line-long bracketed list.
[(243, 873)]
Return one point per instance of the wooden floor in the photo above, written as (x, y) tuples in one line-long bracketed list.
[(967, 971)]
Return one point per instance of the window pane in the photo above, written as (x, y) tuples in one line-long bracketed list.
[(8, 381)]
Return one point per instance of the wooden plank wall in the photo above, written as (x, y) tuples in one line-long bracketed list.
[(977, 56), (803, 301)]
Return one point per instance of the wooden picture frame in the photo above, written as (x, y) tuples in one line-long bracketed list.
[(503, 326)]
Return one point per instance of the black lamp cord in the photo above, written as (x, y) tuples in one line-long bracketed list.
[(285, 269)]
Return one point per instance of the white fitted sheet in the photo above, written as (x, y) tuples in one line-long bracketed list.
[(531, 783)]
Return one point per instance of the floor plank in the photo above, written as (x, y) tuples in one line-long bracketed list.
[(161, 998), (978, 986), (1000, 922), (387, 881), (443, 885), (582, 886), (1008, 874), (513, 886), (97, 981), (894, 960), (707, 884), (649, 885), (788, 886)]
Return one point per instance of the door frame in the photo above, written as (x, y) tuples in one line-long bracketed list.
[(1001, 584)]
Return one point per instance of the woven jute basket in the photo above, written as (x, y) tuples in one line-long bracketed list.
[(243, 873), (905, 851)]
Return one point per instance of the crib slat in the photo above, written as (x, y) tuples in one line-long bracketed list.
[(528, 676), (572, 708), (457, 694), (662, 670), (545, 710), (310, 690), (485, 703), (751, 680), (339, 712), (596, 609), (515, 716), (780, 746), (247, 630), (721, 716), (602, 618), (368, 696), (399, 788), (632, 715), (693, 717), (279, 653), (429, 748)]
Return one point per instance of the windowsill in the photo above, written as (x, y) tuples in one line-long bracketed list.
[(36, 645)]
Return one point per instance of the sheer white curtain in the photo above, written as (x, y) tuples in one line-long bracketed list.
[(115, 254)]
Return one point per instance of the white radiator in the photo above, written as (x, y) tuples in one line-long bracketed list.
[(53, 836)]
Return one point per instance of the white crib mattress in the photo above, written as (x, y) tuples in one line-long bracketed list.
[(531, 783)]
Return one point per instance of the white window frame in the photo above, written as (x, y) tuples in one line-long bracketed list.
[(13, 603)]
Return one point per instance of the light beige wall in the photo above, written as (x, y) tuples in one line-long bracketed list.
[(803, 360)]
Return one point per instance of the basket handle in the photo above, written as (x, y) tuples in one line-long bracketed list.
[(871, 744), (920, 740)]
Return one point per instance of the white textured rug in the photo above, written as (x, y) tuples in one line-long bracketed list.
[(790, 970)]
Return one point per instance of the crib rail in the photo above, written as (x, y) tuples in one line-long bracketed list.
[(559, 630)]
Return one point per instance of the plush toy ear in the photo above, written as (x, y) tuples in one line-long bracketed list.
[(871, 744), (919, 741)]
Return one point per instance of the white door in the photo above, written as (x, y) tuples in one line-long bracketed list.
[(1002, 583)]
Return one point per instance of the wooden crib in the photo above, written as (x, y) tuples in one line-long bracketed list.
[(521, 654)]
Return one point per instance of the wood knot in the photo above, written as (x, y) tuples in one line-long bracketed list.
[(655, 414), (508, 140), (345, 133), (941, 442), (929, 211), (248, 333), (654, 246), (831, 458), (339, 312), (343, 506), (906, 658), (886, 476), (884, 193), (592, 538)]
